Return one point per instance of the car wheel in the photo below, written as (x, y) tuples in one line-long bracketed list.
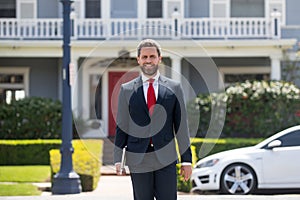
[(238, 179)]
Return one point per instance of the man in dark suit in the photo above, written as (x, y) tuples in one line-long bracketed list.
[(151, 114)]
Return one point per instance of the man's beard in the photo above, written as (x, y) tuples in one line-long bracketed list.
[(149, 71)]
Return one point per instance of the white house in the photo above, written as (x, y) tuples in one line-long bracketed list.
[(206, 42)]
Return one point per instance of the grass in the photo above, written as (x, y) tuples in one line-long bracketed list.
[(21, 189), (19, 178), (23, 174)]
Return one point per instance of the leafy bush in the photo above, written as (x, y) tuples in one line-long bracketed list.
[(86, 162), (31, 118), (26, 152), (254, 109)]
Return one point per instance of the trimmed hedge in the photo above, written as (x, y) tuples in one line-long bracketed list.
[(205, 146), (86, 162), (26, 152), (31, 118), (253, 109)]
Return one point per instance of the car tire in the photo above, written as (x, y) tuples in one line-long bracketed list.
[(238, 179)]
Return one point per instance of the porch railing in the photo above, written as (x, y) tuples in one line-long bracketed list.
[(173, 28)]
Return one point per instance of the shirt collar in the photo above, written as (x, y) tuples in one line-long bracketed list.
[(145, 79)]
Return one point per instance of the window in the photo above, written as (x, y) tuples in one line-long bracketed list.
[(123, 8), (247, 8), (8, 9), (13, 84), (291, 139), (233, 75), (92, 9), (234, 78), (154, 9)]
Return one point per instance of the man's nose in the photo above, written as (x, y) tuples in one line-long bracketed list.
[(148, 60)]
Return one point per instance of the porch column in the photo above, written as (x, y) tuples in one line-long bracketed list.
[(74, 84), (142, 14), (142, 9), (275, 68), (105, 15), (176, 68), (105, 10)]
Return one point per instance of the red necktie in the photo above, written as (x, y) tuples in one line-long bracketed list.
[(151, 100)]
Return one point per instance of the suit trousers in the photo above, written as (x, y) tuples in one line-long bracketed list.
[(151, 179)]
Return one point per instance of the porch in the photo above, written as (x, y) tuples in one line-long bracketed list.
[(123, 29)]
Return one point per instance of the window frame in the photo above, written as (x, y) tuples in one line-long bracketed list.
[(20, 71)]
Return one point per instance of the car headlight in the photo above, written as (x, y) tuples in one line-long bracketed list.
[(208, 163)]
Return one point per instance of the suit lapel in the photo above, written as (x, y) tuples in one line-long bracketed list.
[(139, 92), (161, 89)]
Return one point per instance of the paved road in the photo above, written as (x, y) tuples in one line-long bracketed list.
[(119, 188)]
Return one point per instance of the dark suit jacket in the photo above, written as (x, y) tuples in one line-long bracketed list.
[(135, 127)]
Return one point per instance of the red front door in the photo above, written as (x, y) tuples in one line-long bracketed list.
[(115, 79)]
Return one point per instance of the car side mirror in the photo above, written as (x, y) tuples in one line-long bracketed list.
[(273, 144)]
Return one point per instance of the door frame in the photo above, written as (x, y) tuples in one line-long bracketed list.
[(103, 72)]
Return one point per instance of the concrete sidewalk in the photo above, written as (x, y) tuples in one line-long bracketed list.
[(111, 187), (119, 188)]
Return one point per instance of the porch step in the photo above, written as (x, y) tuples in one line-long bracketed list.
[(108, 151)]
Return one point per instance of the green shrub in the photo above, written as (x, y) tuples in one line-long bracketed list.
[(26, 152), (31, 118), (254, 109), (86, 162)]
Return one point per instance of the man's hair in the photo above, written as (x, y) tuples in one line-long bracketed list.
[(148, 43)]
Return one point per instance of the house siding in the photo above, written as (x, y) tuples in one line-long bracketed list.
[(292, 12), (196, 8)]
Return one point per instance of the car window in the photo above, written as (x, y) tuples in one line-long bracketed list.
[(291, 139)]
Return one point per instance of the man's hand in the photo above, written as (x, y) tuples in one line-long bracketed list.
[(186, 171), (119, 171)]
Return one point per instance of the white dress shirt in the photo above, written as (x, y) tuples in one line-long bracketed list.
[(146, 85)]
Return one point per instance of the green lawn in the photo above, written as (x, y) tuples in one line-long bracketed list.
[(24, 173), (20, 177), (17, 189)]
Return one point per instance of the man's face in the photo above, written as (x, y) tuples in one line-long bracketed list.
[(148, 61)]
